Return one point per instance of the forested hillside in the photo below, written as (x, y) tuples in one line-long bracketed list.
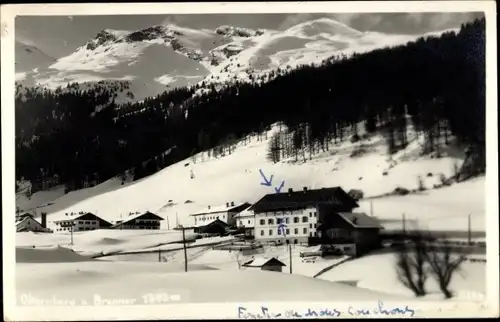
[(83, 136)]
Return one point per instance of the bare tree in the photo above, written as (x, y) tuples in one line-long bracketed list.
[(443, 264), (412, 270)]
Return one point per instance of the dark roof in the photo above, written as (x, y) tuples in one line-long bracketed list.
[(147, 214), (360, 220), (302, 199), (260, 262)]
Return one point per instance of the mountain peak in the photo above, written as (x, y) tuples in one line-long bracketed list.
[(229, 31), (323, 25)]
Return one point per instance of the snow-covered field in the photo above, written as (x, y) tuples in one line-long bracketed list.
[(114, 241), (377, 272)]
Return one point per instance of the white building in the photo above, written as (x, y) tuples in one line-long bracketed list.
[(300, 225), (80, 222), (224, 213), (298, 213), (246, 220)]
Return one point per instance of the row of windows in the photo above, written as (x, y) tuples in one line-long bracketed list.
[(287, 232), (146, 221), (82, 222), (69, 229), (209, 218)]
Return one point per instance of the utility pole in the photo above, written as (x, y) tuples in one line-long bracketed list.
[(71, 230), (185, 250), (469, 237)]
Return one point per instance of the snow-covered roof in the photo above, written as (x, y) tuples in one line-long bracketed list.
[(245, 213), (217, 209), (261, 261), (135, 216), (360, 220)]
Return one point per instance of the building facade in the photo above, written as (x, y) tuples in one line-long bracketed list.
[(146, 220), (300, 225), (294, 216), (245, 221), (28, 223), (224, 213), (81, 222)]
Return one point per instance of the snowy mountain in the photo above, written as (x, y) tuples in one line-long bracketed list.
[(166, 56)]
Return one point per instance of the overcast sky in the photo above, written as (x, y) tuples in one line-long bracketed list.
[(60, 35)]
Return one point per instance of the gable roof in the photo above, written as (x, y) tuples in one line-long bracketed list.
[(211, 223), (302, 199), (245, 213), (224, 208), (260, 261), (84, 216), (360, 220), (137, 216)]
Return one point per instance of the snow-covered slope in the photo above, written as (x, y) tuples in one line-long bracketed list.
[(363, 165), (470, 279), (164, 56)]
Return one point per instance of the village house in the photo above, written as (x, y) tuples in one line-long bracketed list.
[(80, 222), (146, 220), (245, 221), (266, 264), (313, 217), (214, 227), (27, 222), (224, 213)]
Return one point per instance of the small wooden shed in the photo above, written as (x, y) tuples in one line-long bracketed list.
[(265, 264)]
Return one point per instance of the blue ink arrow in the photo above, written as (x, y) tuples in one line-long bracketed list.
[(266, 182), (278, 190), (281, 227)]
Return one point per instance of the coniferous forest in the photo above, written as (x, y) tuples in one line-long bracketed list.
[(83, 135)]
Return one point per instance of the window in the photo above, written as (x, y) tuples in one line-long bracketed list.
[(296, 231), (262, 222), (295, 220), (304, 219), (305, 231), (270, 221), (262, 233), (270, 232)]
